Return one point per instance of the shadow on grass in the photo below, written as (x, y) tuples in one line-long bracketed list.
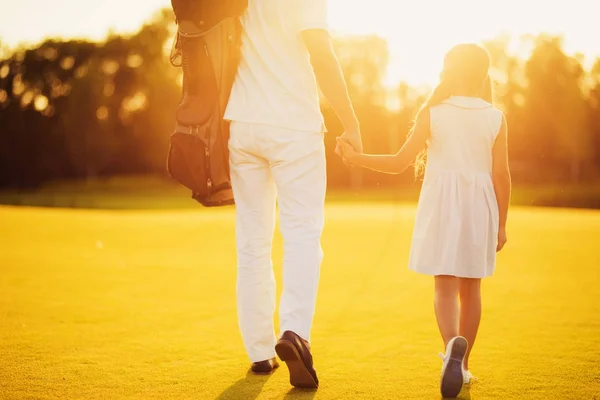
[(300, 394), (248, 387), (465, 393)]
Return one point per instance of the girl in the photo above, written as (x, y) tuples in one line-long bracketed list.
[(461, 216)]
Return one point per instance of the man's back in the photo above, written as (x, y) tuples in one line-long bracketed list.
[(275, 84)]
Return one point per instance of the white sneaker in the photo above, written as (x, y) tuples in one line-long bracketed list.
[(452, 376), (468, 377)]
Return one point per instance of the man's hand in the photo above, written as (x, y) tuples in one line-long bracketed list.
[(353, 138), (347, 152)]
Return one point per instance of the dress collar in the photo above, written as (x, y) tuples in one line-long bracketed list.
[(467, 102)]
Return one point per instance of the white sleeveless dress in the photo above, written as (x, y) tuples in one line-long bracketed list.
[(456, 226)]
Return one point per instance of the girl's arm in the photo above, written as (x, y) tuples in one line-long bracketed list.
[(392, 163), (502, 180)]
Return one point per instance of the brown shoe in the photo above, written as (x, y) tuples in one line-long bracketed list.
[(264, 367), (294, 351)]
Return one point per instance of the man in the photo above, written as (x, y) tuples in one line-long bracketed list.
[(277, 153)]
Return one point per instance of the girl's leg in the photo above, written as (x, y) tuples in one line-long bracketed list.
[(470, 312), (446, 306)]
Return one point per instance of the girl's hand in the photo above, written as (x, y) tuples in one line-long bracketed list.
[(346, 150), (501, 239)]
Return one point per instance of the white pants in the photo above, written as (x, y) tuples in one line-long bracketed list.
[(267, 165)]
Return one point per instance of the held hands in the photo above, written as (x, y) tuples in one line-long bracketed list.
[(354, 138), (351, 138), (346, 151)]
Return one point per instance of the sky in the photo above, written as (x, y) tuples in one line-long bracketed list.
[(418, 32)]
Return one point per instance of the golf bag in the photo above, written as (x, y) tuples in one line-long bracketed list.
[(207, 48)]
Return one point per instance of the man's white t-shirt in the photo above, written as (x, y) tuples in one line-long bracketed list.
[(275, 84)]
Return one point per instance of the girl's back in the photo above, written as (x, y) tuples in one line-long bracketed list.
[(456, 225), (463, 132)]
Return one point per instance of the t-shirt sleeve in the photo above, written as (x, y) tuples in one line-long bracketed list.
[(311, 14)]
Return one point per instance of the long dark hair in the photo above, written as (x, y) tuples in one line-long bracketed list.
[(465, 67)]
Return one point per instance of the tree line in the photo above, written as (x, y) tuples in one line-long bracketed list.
[(81, 110)]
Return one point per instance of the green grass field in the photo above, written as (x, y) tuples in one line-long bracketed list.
[(141, 304)]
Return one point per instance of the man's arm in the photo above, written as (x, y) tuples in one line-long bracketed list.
[(332, 82)]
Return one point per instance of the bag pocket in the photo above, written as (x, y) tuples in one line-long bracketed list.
[(190, 163), (186, 163)]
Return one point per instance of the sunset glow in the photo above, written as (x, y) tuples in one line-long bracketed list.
[(418, 33)]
